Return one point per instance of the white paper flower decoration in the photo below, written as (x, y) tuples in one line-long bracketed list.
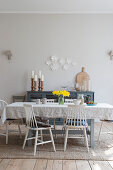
[(65, 67), (62, 61), (54, 63), (68, 61), (48, 62), (74, 63), (54, 66), (53, 59)]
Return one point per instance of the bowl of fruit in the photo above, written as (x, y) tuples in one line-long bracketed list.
[(91, 103)]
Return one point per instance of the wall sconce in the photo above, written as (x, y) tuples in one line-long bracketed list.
[(111, 55), (8, 53)]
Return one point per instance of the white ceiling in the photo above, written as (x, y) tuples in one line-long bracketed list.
[(56, 6)]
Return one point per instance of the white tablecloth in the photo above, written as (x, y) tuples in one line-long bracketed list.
[(54, 110)]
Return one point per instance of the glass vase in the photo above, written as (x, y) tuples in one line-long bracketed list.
[(61, 100)]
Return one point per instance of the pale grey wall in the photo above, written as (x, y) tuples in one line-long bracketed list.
[(32, 38)]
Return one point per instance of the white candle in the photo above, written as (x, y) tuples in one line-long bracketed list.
[(39, 74), (42, 78), (32, 74), (35, 77)]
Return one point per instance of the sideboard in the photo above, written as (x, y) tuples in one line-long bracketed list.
[(32, 95)]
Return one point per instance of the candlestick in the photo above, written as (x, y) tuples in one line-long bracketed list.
[(39, 84), (32, 74), (35, 77), (32, 84), (42, 78), (42, 85), (39, 74), (35, 85)]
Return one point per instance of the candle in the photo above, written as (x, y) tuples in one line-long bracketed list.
[(35, 77), (39, 74), (42, 78), (32, 74)]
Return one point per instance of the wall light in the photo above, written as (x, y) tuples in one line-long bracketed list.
[(8, 53), (111, 55)]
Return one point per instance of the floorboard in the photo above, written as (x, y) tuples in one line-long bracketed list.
[(82, 165), (49, 165), (21, 164), (57, 165), (100, 165), (4, 163), (69, 165), (41, 164)]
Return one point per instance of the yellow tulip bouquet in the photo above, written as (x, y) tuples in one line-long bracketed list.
[(61, 95)]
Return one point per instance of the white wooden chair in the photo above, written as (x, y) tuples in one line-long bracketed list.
[(50, 100), (100, 131), (3, 105), (76, 121), (32, 124), (68, 100)]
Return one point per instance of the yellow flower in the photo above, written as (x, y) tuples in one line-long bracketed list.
[(62, 93)]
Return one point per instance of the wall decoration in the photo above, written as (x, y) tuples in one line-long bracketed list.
[(64, 63)]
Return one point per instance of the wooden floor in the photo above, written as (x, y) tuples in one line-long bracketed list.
[(44, 164)]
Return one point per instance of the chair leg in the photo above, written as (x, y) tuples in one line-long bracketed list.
[(66, 136), (35, 145), (25, 138), (19, 131), (51, 135), (100, 131), (7, 131), (86, 138)]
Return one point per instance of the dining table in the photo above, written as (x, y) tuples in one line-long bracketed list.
[(102, 111)]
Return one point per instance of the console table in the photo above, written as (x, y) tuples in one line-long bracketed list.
[(48, 94)]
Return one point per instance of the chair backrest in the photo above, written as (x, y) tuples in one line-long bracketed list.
[(30, 116), (50, 100), (3, 105), (77, 116), (68, 100)]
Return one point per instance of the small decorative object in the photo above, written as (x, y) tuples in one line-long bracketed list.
[(32, 80), (91, 103), (81, 97), (44, 101), (37, 101), (35, 83), (39, 80), (111, 55), (61, 95), (82, 79), (77, 87), (77, 101), (42, 84)]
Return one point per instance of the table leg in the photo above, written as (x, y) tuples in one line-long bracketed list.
[(92, 134)]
